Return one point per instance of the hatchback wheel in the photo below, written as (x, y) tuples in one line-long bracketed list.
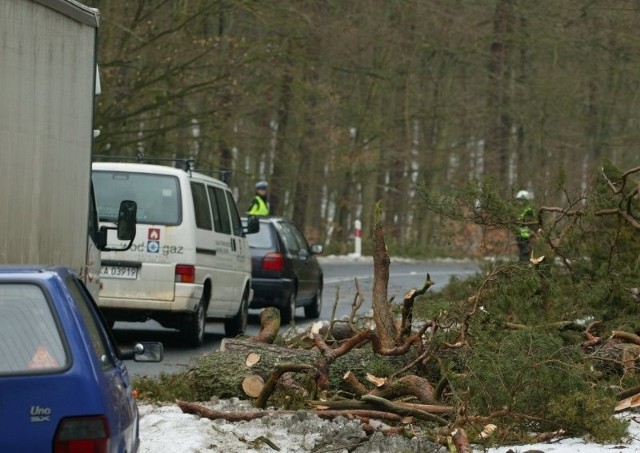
[(313, 310), (288, 313)]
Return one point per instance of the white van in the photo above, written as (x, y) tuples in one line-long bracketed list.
[(190, 259)]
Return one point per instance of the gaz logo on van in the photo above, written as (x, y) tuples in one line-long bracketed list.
[(153, 243)]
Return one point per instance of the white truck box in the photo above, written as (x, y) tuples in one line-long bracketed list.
[(47, 91)]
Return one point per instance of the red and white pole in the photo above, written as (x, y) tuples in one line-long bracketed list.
[(358, 238)]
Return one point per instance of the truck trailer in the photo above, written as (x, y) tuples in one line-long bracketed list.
[(47, 95)]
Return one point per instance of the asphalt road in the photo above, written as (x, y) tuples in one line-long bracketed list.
[(339, 277)]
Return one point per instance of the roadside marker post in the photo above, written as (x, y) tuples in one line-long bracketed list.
[(358, 238)]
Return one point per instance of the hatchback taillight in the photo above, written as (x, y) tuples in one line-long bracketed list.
[(185, 273), (82, 434), (273, 262)]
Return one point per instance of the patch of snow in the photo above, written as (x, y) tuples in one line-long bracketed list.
[(165, 428)]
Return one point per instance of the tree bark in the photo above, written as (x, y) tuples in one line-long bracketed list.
[(382, 314)]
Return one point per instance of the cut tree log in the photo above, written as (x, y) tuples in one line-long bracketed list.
[(412, 385), (252, 385), (252, 359), (221, 373)]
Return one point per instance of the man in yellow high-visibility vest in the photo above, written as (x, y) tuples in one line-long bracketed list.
[(260, 203), (525, 218)]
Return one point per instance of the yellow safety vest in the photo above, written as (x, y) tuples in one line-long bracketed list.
[(259, 208), (523, 231)]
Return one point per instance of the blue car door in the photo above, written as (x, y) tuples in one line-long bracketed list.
[(117, 389)]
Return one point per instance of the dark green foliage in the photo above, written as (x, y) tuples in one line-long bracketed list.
[(166, 387), (523, 323), (587, 413), (521, 371), (478, 201)]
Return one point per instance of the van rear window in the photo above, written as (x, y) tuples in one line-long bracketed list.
[(157, 196)]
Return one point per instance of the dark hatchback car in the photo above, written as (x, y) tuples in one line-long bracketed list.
[(63, 383), (285, 272)]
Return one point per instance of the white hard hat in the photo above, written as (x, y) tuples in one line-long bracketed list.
[(524, 195)]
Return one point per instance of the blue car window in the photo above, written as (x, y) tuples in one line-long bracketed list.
[(102, 347), (29, 337)]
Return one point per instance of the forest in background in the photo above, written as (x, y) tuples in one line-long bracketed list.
[(344, 104)]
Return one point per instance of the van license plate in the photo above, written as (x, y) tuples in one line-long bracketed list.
[(119, 272)]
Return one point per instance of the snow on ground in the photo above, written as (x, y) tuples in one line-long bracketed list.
[(164, 428)]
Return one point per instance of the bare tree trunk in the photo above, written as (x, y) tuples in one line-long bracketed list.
[(281, 163), (307, 182), (382, 314), (499, 94)]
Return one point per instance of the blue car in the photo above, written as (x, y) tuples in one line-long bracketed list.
[(63, 384)]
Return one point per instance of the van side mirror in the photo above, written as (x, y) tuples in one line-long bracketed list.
[(253, 225), (127, 220)]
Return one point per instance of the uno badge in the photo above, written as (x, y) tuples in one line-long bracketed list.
[(153, 240)]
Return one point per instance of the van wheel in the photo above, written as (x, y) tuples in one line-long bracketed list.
[(313, 310), (193, 327), (238, 324), (288, 313)]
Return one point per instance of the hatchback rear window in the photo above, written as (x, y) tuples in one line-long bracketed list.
[(29, 337), (263, 239)]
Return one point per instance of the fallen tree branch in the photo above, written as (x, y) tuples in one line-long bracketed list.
[(392, 406), (373, 338), (357, 386), (202, 411), (626, 336), (407, 309), (212, 414), (366, 404), (270, 385)]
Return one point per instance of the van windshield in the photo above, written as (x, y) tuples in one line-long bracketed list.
[(157, 196)]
